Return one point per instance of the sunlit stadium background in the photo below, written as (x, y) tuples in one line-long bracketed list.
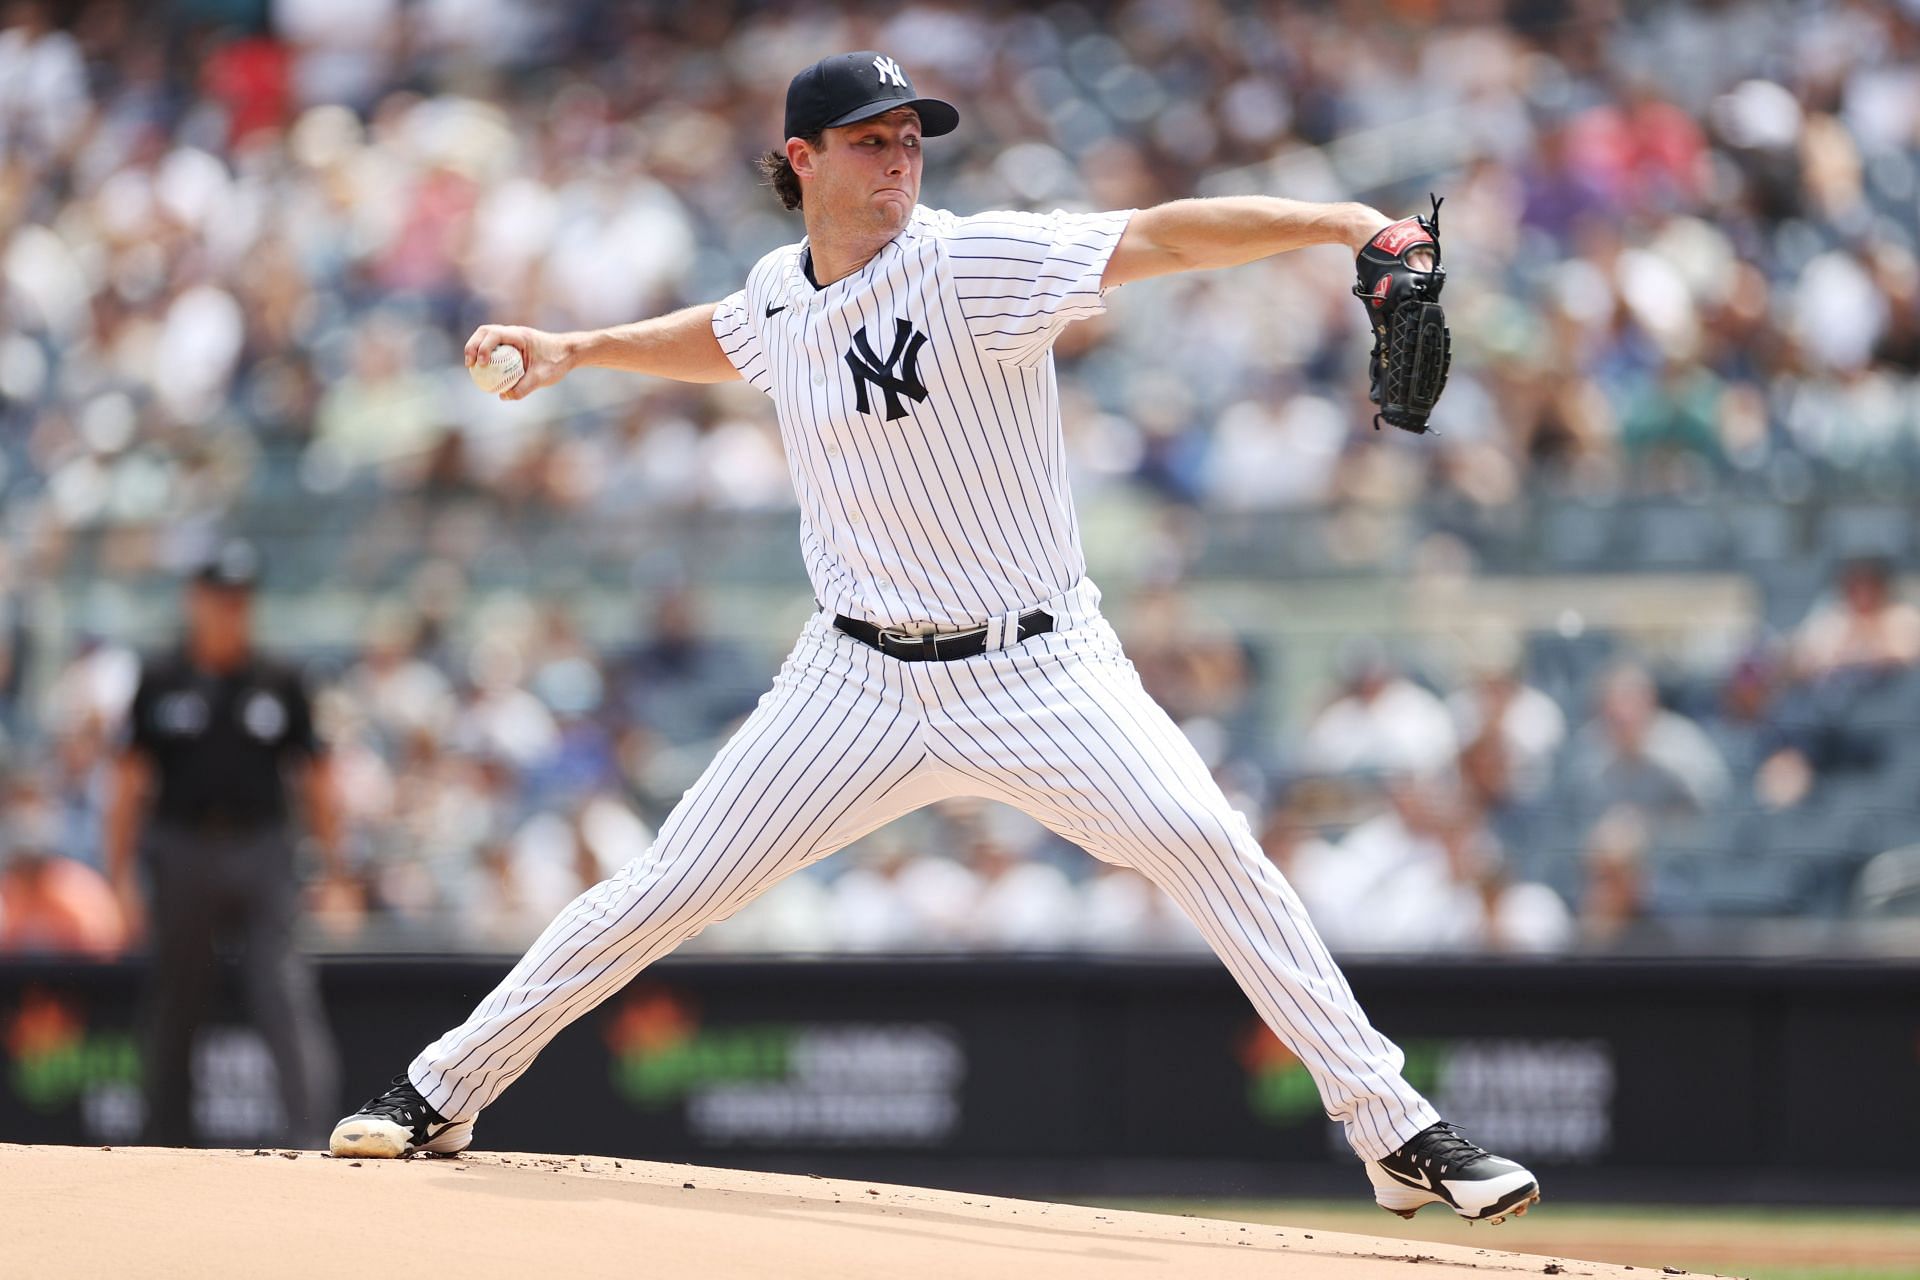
[(1621, 661)]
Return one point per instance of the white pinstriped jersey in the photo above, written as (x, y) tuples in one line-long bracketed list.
[(922, 428), (918, 406)]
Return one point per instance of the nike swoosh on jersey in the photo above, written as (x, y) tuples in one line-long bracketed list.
[(776, 310)]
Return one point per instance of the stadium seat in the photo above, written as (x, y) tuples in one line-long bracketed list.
[(1867, 529), (1741, 887), (1812, 851), (1762, 533), (1889, 885), (1675, 535), (1563, 667), (1579, 537)]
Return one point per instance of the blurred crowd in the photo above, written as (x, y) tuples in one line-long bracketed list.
[(484, 785), (241, 242)]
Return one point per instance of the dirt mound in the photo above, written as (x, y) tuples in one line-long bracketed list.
[(84, 1211)]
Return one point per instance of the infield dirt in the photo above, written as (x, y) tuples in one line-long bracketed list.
[(85, 1211)]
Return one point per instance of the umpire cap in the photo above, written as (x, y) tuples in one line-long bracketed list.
[(234, 565), (849, 87)]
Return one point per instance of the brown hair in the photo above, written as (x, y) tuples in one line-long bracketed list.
[(777, 172)]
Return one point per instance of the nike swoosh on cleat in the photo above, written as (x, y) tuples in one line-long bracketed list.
[(1424, 1181), (772, 311)]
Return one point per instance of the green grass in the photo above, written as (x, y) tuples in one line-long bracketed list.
[(1758, 1243)]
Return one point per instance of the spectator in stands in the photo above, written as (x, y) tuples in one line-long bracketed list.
[(1850, 656), (1898, 275), (1358, 906), (583, 760), (1511, 728), (1025, 902), (1614, 910), (1867, 629), (43, 83), (1379, 720), (15, 648), (555, 855), (394, 688), (1310, 864), (1673, 413), (1428, 875), (1636, 752), (1121, 910), (82, 711), (500, 717), (50, 904), (1512, 916), (684, 682), (869, 910), (1762, 738), (1745, 724), (795, 917), (1190, 662), (1001, 893), (384, 413)]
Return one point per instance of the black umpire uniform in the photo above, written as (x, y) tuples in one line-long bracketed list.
[(201, 797)]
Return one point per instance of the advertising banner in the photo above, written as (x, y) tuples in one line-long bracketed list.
[(1567, 1066)]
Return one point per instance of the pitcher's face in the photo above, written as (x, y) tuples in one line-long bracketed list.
[(864, 177)]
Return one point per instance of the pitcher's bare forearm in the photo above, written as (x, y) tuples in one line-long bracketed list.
[(680, 346), (1227, 231)]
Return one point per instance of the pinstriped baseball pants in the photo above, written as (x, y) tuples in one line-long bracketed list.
[(849, 739)]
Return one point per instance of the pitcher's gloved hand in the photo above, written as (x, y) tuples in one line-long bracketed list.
[(1400, 277)]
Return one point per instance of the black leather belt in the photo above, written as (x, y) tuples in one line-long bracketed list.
[(948, 646)]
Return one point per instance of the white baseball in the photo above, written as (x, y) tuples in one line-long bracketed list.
[(500, 372)]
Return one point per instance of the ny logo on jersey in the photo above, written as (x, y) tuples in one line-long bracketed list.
[(890, 70), (868, 367)]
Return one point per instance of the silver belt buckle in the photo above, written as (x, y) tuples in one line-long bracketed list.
[(925, 639)]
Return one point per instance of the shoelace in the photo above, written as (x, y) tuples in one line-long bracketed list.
[(404, 1103), (1443, 1145)]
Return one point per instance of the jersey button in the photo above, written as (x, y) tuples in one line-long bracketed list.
[(833, 451), (819, 379), (883, 584)]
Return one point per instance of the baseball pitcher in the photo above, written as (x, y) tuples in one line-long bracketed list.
[(959, 648)]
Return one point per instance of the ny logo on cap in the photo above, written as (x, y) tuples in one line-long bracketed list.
[(890, 70)]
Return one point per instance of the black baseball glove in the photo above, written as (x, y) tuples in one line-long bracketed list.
[(1400, 280)]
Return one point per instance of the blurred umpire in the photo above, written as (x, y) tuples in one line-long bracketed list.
[(215, 735)]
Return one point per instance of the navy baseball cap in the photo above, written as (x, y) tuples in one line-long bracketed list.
[(850, 87), (233, 566)]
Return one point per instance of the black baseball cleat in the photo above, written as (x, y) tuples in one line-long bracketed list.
[(1438, 1166), (398, 1123)]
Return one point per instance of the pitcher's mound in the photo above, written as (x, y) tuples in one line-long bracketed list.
[(84, 1211)]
